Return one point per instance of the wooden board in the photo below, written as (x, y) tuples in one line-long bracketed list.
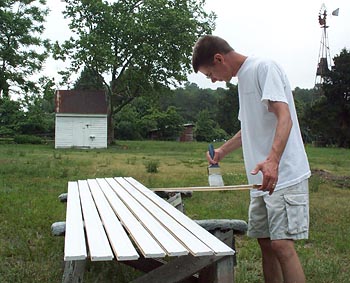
[(119, 240), (193, 228), (145, 242), (171, 245), (207, 188), (99, 247), (74, 243)]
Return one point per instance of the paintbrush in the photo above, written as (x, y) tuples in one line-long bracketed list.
[(214, 172)]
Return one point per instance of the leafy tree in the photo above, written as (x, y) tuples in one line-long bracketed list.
[(89, 80), (169, 123), (190, 100), (205, 127), (39, 114), (142, 45), (304, 100), (127, 122), (330, 116), (11, 115), (22, 51), (227, 113)]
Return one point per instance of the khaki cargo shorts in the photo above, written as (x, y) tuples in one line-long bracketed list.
[(282, 215)]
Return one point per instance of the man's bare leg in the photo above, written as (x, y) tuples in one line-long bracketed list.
[(271, 265), (289, 261)]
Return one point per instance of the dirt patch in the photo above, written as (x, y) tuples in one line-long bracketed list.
[(340, 181)]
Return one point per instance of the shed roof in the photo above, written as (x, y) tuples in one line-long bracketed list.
[(81, 102)]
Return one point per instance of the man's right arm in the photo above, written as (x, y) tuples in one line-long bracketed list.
[(229, 146)]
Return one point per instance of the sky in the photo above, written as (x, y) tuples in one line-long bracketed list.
[(285, 31)]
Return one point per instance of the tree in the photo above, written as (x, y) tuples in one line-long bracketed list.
[(190, 100), (141, 45), (228, 106), (206, 128), (304, 100), (22, 51), (11, 115), (89, 80), (330, 116)]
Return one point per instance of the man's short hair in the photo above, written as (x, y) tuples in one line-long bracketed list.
[(205, 49)]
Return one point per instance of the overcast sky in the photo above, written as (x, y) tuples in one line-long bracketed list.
[(286, 31)]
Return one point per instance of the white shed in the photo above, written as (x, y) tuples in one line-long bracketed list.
[(81, 119)]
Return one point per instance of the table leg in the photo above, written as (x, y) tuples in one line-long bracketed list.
[(74, 271), (221, 271)]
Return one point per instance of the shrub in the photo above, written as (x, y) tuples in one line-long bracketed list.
[(152, 166), (22, 139)]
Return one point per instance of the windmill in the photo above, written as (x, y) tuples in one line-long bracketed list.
[(324, 55)]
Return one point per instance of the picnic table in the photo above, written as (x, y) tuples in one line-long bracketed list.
[(119, 218)]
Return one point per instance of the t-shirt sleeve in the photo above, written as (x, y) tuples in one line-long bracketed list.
[(272, 82)]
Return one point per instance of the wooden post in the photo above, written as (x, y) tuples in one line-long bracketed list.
[(218, 272), (176, 201), (74, 271)]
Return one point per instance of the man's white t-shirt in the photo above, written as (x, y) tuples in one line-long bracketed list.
[(260, 81)]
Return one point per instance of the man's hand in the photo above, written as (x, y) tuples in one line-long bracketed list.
[(269, 169), (218, 155)]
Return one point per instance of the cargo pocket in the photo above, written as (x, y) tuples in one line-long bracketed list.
[(297, 213)]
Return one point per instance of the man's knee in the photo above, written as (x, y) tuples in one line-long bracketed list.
[(283, 248), (265, 244)]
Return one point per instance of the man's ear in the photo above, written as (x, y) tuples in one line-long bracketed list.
[(218, 58)]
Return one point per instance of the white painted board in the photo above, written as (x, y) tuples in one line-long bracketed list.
[(217, 246), (171, 244), (119, 240), (99, 247), (145, 242), (193, 244), (74, 242)]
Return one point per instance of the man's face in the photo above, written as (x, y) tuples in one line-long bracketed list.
[(218, 71)]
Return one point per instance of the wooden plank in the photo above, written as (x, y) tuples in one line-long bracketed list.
[(148, 264), (99, 247), (207, 188), (195, 246), (148, 246), (178, 269), (210, 240), (119, 240), (171, 245), (74, 243)]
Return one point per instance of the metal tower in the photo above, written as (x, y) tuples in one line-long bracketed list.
[(324, 56)]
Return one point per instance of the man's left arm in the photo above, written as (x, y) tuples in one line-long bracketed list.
[(269, 167)]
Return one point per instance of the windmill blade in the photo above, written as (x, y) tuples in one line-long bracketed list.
[(335, 12)]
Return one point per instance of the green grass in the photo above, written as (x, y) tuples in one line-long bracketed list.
[(32, 177)]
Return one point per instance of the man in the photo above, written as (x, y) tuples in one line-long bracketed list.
[(273, 150)]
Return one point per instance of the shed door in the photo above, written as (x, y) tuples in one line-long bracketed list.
[(81, 134)]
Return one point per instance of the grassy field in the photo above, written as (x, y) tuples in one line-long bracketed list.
[(32, 177)]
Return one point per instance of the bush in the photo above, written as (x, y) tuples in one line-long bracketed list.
[(152, 166), (22, 139)]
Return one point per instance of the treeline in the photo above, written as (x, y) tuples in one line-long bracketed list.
[(324, 112), (212, 112)]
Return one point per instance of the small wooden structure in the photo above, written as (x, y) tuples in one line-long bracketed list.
[(123, 219), (81, 119), (187, 134)]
